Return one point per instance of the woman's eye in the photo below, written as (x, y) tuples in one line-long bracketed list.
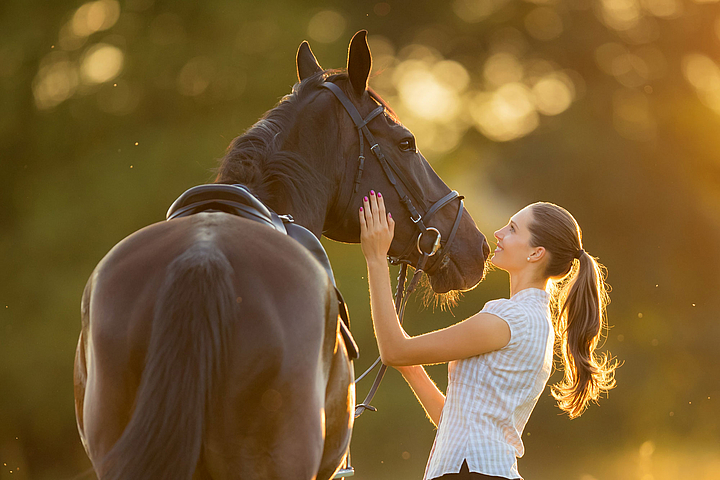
[(407, 145)]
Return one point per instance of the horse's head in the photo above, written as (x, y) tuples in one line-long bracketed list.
[(395, 167), (303, 158)]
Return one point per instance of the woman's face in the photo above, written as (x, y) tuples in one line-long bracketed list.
[(513, 242)]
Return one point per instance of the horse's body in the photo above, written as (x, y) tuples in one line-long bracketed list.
[(269, 391), (210, 346)]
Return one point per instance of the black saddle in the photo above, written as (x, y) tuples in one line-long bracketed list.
[(237, 200)]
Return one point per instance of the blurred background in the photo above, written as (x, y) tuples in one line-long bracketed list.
[(110, 109)]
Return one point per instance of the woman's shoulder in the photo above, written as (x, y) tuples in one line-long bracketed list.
[(502, 307), (526, 307)]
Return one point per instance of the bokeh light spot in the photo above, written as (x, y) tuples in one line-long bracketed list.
[(506, 114), (68, 40), (620, 14), (704, 74), (502, 68), (381, 9), (543, 23), (646, 30), (101, 62), (95, 16), (326, 26), (631, 115), (647, 449), (383, 53), (552, 95), (606, 54), (427, 98), (473, 11), (701, 71), (663, 8), (195, 76), (452, 74), (630, 70), (55, 82)]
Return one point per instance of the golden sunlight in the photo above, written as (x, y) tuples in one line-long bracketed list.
[(663, 8), (620, 14), (425, 96), (506, 114), (553, 94), (101, 62), (473, 11), (95, 16), (55, 82), (502, 68), (326, 26), (543, 23), (704, 74)]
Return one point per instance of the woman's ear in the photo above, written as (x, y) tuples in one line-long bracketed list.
[(538, 254)]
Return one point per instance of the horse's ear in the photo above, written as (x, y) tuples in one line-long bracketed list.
[(359, 62), (307, 64)]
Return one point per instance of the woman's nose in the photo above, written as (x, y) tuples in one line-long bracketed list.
[(497, 234)]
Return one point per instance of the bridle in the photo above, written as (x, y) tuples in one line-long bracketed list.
[(402, 186)]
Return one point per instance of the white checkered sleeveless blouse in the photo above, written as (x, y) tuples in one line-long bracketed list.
[(490, 396)]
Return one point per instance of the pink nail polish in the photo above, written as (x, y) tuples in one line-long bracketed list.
[(389, 215), (379, 195), (372, 192), (361, 209), (366, 199)]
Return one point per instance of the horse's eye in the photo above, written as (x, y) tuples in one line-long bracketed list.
[(407, 145)]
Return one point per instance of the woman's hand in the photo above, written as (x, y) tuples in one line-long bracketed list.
[(376, 228)]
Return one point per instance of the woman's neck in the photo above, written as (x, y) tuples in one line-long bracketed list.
[(522, 280)]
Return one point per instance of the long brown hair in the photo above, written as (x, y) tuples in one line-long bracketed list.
[(579, 299)]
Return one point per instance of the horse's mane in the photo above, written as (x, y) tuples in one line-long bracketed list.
[(259, 160)]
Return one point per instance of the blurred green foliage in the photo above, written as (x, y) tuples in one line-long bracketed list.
[(79, 175)]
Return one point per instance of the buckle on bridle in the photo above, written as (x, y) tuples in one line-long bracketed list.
[(416, 220), (436, 244)]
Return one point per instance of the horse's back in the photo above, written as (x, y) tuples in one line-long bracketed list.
[(279, 341)]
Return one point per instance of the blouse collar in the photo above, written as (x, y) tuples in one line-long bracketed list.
[(529, 293)]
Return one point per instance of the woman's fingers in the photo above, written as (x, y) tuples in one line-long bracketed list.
[(377, 222), (363, 224), (367, 208), (382, 216)]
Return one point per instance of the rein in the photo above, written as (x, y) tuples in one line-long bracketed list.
[(400, 183)]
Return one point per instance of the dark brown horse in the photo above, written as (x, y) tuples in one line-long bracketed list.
[(210, 346)]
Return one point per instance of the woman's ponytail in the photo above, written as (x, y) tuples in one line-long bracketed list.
[(579, 299), (581, 302)]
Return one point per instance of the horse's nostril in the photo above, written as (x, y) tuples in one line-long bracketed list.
[(486, 248)]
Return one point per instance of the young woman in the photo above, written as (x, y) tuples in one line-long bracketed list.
[(500, 359)]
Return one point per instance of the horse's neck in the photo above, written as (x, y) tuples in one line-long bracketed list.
[(313, 221)]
